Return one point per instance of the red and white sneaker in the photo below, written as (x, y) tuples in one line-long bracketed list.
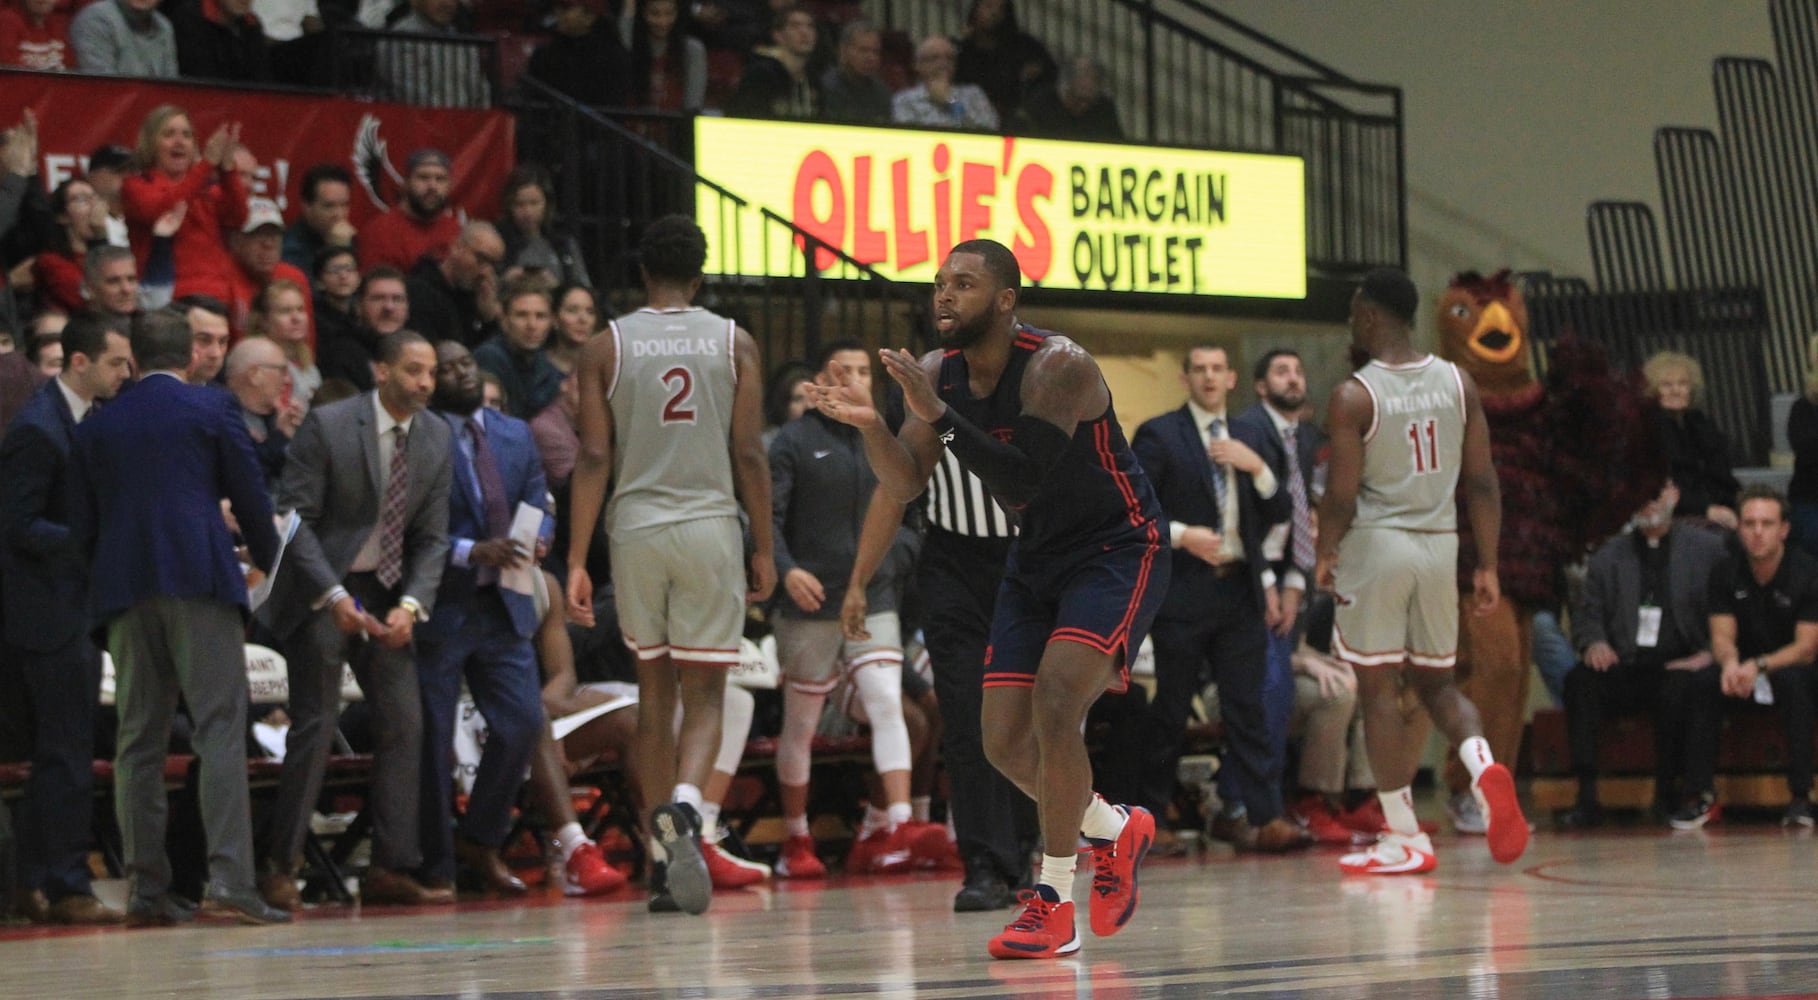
[(1044, 928), (587, 873), (880, 852), (1317, 818), (1507, 828), (1114, 890), (799, 860), (729, 871), (1393, 854)]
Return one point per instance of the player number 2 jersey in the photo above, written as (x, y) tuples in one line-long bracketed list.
[(671, 397), (1414, 447)]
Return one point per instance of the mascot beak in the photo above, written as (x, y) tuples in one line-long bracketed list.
[(1497, 338)]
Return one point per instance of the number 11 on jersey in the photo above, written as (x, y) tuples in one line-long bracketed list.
[(1423, 438)]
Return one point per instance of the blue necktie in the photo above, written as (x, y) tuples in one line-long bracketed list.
[(1219, 483)]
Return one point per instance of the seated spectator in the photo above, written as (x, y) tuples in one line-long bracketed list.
[(516, 355), (1698, 453), (1334, 778), (208, 336), (124, 38), (1006, 62), (777, 83), (110, 283), (1076, 106), (327, 191), (107, 169), (456, 298), (554, 432), (421, 225), (784, 398), (432, 71), (730, 25), (1764, 634), (295, 37), (937, 101), (259, 377), (577, 321), (257, 250), (280, 312), (585, 59), (172, 172), (35, 35), (851, 90), (1642, 628), (536, 242), (220, 40), (381, 306), (668, 65), (492, 392), (57, 269), (1802, 435), (334, 278)]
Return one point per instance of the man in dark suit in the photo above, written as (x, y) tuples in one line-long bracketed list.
[(52, 669), (147, 474), (369, 478), (481, 629), (1291, 448), (1221, 500)]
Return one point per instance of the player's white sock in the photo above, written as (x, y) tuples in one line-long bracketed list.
[(919, 806), (875, 819), (685, 792), (1398, 809), (900, 813), (569, 837), (1475, 753), (796, 826), (710, 821), (658, 856), (1057, 874), (1101, 822)]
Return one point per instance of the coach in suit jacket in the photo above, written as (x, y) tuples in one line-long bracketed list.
[(53, 670), (147, 474), (481, 630), (361, 574), (1221, 500), (1291, 448)]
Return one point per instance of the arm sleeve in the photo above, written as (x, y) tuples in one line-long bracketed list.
[(1014, 470)]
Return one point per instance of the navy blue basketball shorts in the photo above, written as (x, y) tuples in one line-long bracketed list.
[(1106, 600)]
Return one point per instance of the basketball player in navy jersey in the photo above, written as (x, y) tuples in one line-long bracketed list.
[(1028, 412)]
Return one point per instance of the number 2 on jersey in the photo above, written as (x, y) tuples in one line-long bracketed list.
[(1423, 437), (680, 383)]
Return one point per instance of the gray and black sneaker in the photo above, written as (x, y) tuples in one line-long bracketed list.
[(660, 899), (677, 828), (1798, 815), (1697, 812)]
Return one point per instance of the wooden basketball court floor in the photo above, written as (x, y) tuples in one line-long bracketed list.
[(1634, 913)]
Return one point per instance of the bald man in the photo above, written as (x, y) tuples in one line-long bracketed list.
[(259, 377), (457, 297)]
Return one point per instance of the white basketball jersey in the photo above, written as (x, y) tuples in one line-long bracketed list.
[(671, 397), (1414, 447)]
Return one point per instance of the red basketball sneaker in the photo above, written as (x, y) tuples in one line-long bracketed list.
[(1394, 854), (1507, 827), (799, 860), (1114, 889), (729, 871), (587, 873), (1044, 929)]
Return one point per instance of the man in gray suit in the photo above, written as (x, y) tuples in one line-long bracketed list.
[(370, 482)]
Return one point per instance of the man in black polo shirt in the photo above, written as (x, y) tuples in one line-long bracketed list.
[(1764, 633)]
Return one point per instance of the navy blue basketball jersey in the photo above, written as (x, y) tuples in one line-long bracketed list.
[(1096, 495)]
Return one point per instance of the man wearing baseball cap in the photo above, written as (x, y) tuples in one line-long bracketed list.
[(257, 249), (421, 225)]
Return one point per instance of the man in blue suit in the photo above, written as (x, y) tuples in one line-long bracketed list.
[(147, 476), (1221, 500), (53, 668), (480, 629)]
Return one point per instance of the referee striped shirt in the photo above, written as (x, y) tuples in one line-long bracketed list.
[(958, 502)]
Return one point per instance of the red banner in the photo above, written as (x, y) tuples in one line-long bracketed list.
[(288, 133)]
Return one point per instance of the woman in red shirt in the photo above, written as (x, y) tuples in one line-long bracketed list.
[(34, 35), (80, 216), (172, 171)]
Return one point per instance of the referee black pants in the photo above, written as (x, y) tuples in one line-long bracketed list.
[(992, 819)]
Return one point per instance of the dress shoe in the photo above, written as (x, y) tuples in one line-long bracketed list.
[(984, 890), (84, 910), (278, 887), (382, 887), (159, 911), (32, 905), (1233, 828), (1278, 836), (243, 905), (486, 863), (1169, 843)]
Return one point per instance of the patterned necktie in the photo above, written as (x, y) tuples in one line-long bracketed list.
[(492, 488), (391, 516), (1297, 495), (1219, 480)]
